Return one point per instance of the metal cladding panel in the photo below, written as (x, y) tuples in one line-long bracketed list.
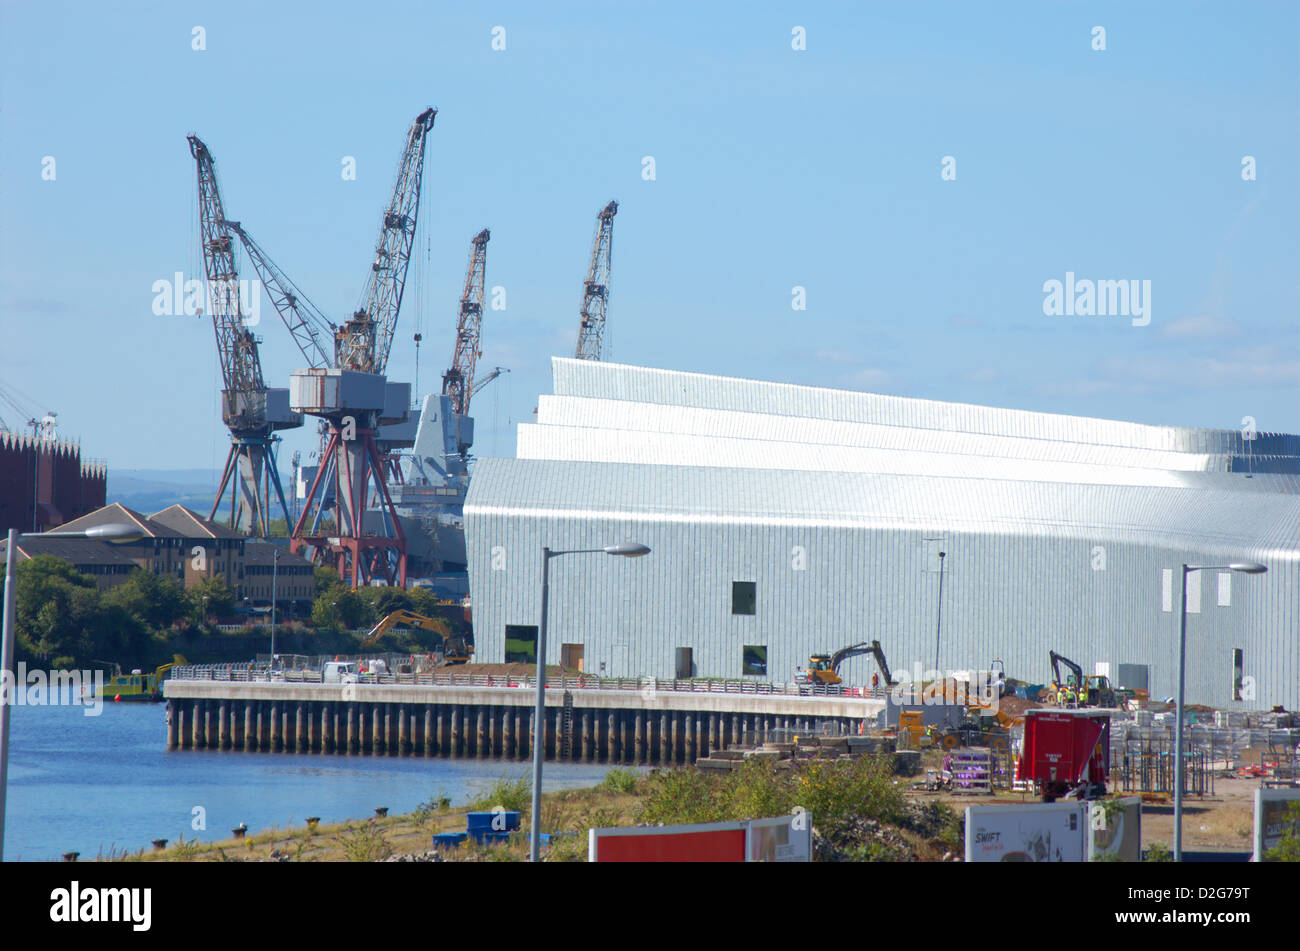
[(838, 558), (359, 390), (595, 379), (397, 403), (605, 414), (329, 390), (278, 413), (311, 390), (606, 445), (400, 435)]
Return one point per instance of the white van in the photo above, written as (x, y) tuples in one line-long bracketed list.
[(340, 672)]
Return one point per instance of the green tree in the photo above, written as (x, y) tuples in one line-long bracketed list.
[(385, 601), (338, 606), (54, 605), (158, 600), (62, 615), (1288, 847), (324, 577), (220, 598)]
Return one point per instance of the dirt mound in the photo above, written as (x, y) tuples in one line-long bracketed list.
[(1014, 706)]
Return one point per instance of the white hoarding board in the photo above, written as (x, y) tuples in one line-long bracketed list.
[(1033, 832), (783, 839), (1272, 820), (1116, 830)]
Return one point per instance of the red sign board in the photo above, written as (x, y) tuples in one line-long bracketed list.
[(721, 845), (778, 839)]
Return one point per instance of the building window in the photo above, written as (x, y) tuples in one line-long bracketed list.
[(1238, 672), (755, 660), (744, 596), (521, 643)]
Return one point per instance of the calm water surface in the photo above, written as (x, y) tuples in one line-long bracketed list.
[(92, 784)]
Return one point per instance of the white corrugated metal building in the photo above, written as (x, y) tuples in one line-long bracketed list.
[(790, 520)]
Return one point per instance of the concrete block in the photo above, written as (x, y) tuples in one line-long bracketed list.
[(710, 762), (907, 762)]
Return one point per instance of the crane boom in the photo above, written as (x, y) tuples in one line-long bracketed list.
[(303, 319), (595, 295), (458, 382), (365, 340), (244, 406), (485, 379)]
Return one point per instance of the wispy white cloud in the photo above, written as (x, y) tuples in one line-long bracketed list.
[(1248, 366), (984, 374), (1198, 326), (868, 377)]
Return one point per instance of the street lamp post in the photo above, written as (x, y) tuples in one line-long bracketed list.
[(115, 532), (938, 623), (627, 550), (275, 565), (7, 682), (1246, 567)]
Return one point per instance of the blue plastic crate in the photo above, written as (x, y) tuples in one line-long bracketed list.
[(448, 840), (482, 837), (482, 821)]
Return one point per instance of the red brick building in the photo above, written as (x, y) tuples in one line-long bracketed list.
[(45, 483)]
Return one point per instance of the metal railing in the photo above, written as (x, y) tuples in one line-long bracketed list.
[(294, 670)]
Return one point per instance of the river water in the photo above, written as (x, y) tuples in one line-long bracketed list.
[(95, 784)]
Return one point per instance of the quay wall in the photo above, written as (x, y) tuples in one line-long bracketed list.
[(615, 727)]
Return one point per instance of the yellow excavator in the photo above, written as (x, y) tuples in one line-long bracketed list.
[(824, 669), (455, 648)]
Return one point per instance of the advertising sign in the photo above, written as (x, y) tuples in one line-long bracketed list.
[(1116, 831), (1271, 819), (780, 839), (1032, 832), (783, 839)]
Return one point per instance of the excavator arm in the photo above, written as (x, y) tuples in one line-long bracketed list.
[(832, 667), (401, 618), (1057, 660)]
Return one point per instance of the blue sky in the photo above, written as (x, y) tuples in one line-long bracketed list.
[(774, 168)]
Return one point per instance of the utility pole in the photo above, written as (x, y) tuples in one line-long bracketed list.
[(938, 624), (8, 682), (275, 566)]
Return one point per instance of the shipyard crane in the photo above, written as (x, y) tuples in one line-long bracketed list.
[(485, 379), (42, 427), (595, 295), (355, 398), (365, 340), (458, 381), (311, 330), (250, 410)]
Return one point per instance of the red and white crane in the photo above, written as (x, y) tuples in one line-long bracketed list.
[(355, 399)]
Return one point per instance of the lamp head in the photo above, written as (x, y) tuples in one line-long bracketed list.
[(1248, 567), (627, 550), (115, 532)]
